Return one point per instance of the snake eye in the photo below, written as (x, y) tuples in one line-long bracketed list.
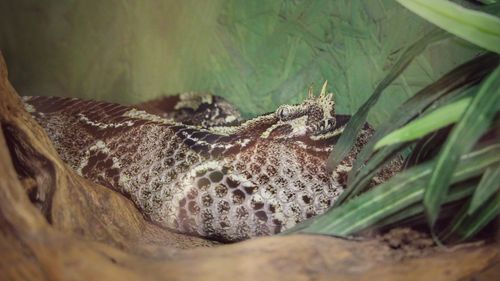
[(283, 113)]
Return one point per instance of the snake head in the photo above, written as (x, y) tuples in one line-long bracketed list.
[(313, 117)]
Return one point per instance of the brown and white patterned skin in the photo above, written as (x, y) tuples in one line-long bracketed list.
[(192, 108), (227, 183)]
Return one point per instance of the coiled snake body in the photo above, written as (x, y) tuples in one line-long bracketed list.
[(228, 180)]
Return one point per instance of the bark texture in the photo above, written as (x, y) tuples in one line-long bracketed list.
[(55, 225)]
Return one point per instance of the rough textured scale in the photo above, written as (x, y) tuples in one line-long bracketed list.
[(224, 182), (192, 108)]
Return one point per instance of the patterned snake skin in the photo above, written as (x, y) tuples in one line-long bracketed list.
[(225, 182)]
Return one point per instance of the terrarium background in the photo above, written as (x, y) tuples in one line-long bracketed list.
[(258, 54)]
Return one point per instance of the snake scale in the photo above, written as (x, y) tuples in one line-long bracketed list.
[(192, 165)]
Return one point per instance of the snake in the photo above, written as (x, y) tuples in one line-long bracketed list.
[(192, 164)]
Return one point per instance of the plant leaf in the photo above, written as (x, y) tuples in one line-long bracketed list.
[(465, 225), (473, 223), (376, 162), (358, 120), (487, 2), (401, 191), (420, 127), (475, 121), (489, 185), (474, 26), (456, 193), (462, 76), (437, 119)]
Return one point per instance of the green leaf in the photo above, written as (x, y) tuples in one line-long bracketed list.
[(477, 27), (489, 185), (393, 196), (462, 76), (437, 119), (465, 225), (375, 163), (473, 223), (451, 83), (417, 210), (487, 2), (474, 122), (347, 139)]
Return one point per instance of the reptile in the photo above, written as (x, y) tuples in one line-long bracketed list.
[(194, 108), (227, 179)]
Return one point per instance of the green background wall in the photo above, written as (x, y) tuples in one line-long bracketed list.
[(258, 53)]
